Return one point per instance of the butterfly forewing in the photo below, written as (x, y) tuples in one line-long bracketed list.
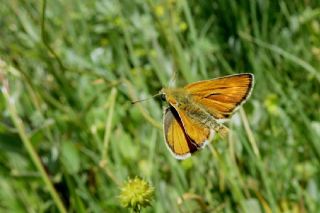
[(221, 96)]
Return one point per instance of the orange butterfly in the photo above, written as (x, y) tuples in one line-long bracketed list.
[(197, 111)]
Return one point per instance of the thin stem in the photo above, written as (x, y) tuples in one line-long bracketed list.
[(108, 127), (27, 143), (43, 36), (290, 57), (58, 76), (107, 134), (249, 133), (144, 113)]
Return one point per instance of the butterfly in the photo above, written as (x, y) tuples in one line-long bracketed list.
[(198, 110)]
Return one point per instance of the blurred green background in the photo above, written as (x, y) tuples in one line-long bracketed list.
[(70, 69)]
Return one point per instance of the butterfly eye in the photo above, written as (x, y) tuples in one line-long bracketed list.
[(163, 97)]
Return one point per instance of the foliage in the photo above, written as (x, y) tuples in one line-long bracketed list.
[(73, 68)]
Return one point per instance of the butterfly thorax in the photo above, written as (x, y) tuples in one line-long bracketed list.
[(182, 100)]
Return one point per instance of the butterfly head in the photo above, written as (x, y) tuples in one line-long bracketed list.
[(174, 96), (162, 94)]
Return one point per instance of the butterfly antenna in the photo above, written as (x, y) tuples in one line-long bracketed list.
[(134, 102)]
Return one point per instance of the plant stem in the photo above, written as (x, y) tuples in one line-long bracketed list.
[(27, 143)]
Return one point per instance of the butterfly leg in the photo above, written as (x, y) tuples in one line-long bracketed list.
[(217, 127)]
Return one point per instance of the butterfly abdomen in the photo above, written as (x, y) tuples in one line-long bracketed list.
[(200, 114)]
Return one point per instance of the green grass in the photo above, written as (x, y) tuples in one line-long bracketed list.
[(70, 69)]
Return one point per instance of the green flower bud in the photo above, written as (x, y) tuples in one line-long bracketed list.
[(136, 194)]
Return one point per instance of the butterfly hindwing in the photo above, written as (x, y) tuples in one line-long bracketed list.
[(178, 142), (196, 131)]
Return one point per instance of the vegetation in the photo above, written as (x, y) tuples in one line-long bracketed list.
[(70, 139)]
